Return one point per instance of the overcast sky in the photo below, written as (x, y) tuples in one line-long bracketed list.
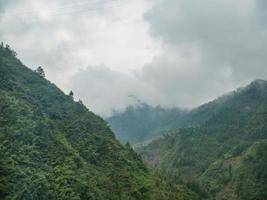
[(162, 52)]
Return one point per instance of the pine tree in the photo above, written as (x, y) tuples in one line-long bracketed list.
[(71, 94), (40, 71)]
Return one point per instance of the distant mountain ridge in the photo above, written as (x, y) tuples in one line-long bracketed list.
[(143, 122), (202, 113)]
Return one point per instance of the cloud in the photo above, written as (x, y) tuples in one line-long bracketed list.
[(163, 52), (66, 36), (209, 47), (227, 33), (157, 83), (105, 90)]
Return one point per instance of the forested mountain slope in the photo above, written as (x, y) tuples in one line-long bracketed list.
[(143, 122), (224, 153), (54, 148)]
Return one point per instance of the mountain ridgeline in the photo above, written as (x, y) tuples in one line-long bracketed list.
[(143, 122), (220, 149), (52, 147)]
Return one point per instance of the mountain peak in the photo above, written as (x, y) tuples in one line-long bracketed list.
[(259, 82), (258, 85)]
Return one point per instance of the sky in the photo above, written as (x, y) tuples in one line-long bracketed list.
[(113, 53)]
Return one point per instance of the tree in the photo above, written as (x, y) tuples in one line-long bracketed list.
[(7, 47), (9, 50), (128, 145), (71, 94), (40, 71), (80, 102)]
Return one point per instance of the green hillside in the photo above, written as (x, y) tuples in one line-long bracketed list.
[(52, 147), (222, 154)]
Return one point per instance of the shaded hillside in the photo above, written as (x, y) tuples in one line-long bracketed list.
[(54, 148), (143, 122), (225, 153)]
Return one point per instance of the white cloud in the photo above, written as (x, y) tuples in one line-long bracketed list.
[(65, 36), (167, 52)]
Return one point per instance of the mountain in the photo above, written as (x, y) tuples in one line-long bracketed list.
[(52, 147), (143, 122), (221, 151)]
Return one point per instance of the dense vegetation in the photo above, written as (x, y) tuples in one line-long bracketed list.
[(143, 122), (222, 154), (52, 147)]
